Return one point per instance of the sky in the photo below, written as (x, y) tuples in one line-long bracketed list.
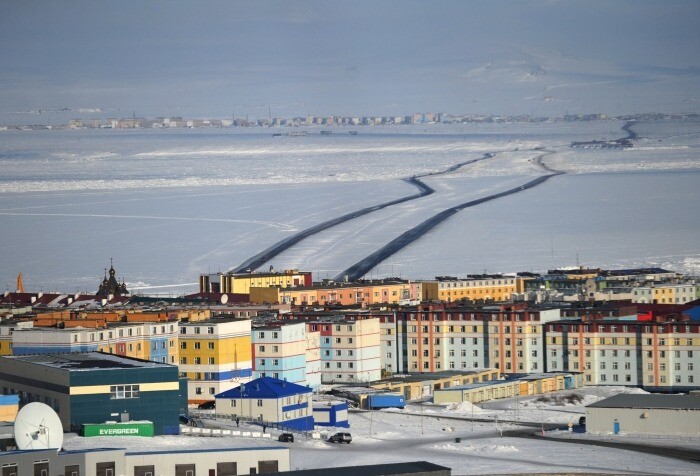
[(223, 58)]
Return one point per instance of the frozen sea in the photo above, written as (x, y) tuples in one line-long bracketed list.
[(167, 205)]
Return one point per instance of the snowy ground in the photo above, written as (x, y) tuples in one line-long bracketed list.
[(430, 434), (169, 205)]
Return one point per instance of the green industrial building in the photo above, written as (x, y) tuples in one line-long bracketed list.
[(95, 388)]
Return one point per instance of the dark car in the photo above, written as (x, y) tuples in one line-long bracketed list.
[(340, 438), (286, 437), (582, 421), (207, 405)]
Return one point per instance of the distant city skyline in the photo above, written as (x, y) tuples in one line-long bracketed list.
[(224, 58)]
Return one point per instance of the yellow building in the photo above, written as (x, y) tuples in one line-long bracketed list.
[(474, 288), (240, 283), (215, 355), (7, 330)]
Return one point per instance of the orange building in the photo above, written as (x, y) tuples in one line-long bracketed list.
[(364, 293)]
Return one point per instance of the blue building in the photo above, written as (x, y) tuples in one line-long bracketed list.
[(331, 413), (270, 401)]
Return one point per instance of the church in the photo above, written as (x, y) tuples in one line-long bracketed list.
[(111, 285)]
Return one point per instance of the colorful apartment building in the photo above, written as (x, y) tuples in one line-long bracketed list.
[(155, 342), (478, 288), (240, 283), (280, 352), (434, 338), (366, 293), (666, 294), (349, 349), (215, 355), (653, 355)]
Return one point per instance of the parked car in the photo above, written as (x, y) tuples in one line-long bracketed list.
[(286, 437), (340, 438), (582, 421), (210, 405)]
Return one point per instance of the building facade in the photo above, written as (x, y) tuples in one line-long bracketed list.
[(269, 401), (279, 351), (93, 387), (651, 355), (215, 355)]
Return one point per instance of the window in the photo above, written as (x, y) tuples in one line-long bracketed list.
[(183, 360), (211, 360), (210, 345), (183, 345), (197, 360), (260, 402), (197, 345), (118, 392)]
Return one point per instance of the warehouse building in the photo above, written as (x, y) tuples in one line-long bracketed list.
[(645, 414), (115, 461), (515, 385), (96, 388)]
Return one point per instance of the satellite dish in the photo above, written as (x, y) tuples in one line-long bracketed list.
[(224, 298), (38, 427)]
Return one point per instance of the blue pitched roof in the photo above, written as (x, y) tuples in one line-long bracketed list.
[(694, 313), (265, 387)]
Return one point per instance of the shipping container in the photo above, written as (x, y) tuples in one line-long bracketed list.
[(386, 400)]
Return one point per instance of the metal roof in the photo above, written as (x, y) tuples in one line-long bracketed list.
[(265, 387), (642, 401)]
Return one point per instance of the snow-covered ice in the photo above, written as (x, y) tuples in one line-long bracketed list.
[(169, 205)]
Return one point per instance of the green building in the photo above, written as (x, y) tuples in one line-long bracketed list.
[(94, 388)]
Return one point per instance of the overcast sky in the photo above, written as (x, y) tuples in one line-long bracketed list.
[(217, 58)]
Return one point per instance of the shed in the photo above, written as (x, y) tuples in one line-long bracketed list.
[(331, 413)]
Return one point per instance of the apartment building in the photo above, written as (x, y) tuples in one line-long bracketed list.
[(155, 342), (434, 338), (215, 355), (365, 293), (655, 355), (666, 294), (349, 349), (478, 288), (280, 352)]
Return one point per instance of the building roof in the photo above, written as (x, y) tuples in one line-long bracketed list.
[(86, 361), (643, 401), (265, 387), (429, 376), (412, 467)]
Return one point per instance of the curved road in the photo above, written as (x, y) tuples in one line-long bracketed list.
[(261, 258), (363, 266)]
